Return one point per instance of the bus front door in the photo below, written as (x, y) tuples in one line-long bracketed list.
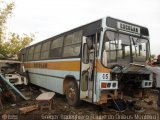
[(87, 72)]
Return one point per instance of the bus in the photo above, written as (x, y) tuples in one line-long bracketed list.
[(95, 62)]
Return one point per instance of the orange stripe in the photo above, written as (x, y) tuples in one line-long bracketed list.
[(66, 65), (28, 65), (101, 68), (61, 65)]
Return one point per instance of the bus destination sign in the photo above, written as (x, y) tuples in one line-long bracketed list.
[(128, 27)]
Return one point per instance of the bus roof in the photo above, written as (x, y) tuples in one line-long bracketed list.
[(113, 23), (88, 28)]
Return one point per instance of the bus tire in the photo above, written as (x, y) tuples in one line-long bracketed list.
[(72, 94)]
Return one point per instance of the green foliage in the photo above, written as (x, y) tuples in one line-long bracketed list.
[(10, 47), (153, 56), (16, 42), (5, 12)]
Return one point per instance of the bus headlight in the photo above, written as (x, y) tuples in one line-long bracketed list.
[(147, 84), (114, 85), (108, 85), (103, 85)]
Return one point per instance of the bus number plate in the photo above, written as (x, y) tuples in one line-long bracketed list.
[(105, 76)]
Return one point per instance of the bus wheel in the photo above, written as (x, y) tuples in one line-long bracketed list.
[(72, 94)]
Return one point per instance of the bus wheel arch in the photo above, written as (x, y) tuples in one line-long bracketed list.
[(70, 88), (66, 82)]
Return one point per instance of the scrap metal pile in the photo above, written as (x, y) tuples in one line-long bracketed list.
[(10, 76)]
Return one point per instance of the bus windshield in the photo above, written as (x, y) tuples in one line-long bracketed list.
[(123, 49)]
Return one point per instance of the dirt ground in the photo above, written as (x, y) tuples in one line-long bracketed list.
[(86, 111)]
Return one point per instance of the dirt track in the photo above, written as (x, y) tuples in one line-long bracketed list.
[(61, 110)]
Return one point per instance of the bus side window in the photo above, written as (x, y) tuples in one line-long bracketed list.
[(45, 50), (26, 55), (22, 55), (37, 52), (72, 44), (30, 53), (56, 48), (93, 38)]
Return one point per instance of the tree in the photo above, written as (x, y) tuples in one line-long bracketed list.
[(153, 56), (10, 47), (16, 42), (5, 12)]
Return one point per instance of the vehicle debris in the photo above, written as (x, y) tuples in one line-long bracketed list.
[(148, 101), (27, 109), (13, 105), (12, 71), (0, 98), (6, 83), (45, 100)]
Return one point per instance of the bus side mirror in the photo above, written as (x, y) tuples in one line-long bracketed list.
[(89, 42)]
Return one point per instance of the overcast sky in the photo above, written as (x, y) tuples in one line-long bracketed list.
[(47, 18)]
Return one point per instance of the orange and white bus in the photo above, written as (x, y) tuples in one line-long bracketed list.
[(91, 62)]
